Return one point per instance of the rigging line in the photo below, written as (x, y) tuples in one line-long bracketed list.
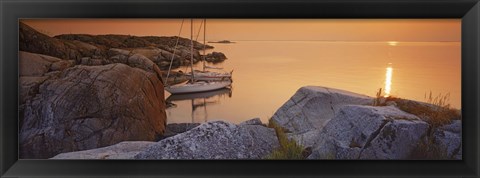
[(198, 32), (196, 38), (191, 49), (174, 50), (204, 44)]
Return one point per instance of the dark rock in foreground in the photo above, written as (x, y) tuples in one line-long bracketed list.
[(92, 106), (215, 140)]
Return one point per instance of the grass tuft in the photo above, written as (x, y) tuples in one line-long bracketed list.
[(288, 149), (436, 110), (378, 100)]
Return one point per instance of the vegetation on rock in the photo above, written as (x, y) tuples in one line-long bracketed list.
[(289, 148)]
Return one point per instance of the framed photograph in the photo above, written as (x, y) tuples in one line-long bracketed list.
[(240, 88)]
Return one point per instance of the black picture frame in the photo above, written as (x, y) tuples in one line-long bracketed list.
[(11, 11)]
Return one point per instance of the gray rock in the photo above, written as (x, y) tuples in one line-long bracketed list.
[(312, 107), (367, 132), (215, 140), (122, 150), (92, 106), (254, 121), (178, 128), (306, 139), (448, 139), (454, 127)]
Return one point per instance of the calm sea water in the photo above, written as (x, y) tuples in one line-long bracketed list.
[(267, 73)]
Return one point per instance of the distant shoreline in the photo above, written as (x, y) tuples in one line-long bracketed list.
[(221, 41)]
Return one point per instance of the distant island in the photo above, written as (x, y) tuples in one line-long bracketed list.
[(221, 41)]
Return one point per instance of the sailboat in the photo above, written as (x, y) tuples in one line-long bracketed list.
[(211, 76), (205, 75), (194, 85)]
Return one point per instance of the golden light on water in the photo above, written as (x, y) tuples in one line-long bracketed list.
[(388, 81)]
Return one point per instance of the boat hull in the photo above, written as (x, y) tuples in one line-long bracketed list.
[(209, 78), (206, 95), (198, 87)]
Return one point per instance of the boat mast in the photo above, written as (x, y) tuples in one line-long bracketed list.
[(191, 49), (204, 44), (173, 55)]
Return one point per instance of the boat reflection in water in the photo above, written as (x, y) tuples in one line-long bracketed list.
[(199, 100)]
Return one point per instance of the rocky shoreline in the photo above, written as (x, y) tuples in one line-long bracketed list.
[(211, 140), (80, 92), (100, 49), (328, 123), (102, 97)]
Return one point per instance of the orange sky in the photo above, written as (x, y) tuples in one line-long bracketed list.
[(265, 29)]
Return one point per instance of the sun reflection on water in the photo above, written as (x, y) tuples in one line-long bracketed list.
[(388, 81)]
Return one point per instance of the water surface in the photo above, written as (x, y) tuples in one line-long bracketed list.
[(267, 73)]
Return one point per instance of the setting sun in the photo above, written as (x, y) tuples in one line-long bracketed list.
[(393, 43)]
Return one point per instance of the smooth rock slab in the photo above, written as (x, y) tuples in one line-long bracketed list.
[(215, 140), (312, 107), (122, 150)]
